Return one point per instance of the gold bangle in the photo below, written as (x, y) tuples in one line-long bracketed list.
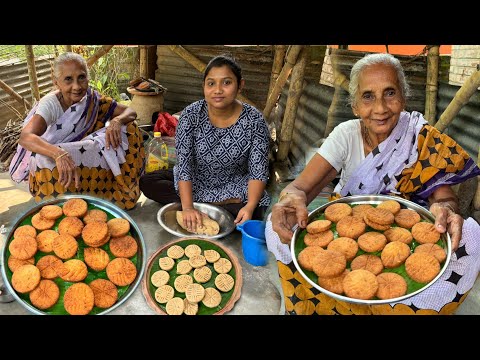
[(61, 155), (282, 195)]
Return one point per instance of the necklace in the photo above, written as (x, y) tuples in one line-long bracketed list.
[(366, 135)]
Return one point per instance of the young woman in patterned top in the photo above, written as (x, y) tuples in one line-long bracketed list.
[(222, 152)]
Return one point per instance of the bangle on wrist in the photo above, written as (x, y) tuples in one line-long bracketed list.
[(61, 155), (282, 195)]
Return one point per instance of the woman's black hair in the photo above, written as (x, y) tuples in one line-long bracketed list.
[(221, 60)]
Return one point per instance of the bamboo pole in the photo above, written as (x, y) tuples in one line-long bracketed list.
[(461, 98), (143, 62), (291, 59), (432, 83), (294, 93), (32, 72), (55, 49), (476, 199), (200, 66), (15, 95), (278, 59), (68, 48), (98, 54)]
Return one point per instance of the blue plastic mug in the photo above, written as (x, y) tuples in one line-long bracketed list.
[(254, 244)]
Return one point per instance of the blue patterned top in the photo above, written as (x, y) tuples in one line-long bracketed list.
[(220, 162)]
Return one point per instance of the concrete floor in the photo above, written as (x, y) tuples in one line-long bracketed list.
[(261, 291)]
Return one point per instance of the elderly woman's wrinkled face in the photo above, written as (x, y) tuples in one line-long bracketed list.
[(72, 82), (379, 99)]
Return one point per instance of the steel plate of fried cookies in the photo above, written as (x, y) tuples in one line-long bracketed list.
[(228, 298), (112, 211), (413, 287)]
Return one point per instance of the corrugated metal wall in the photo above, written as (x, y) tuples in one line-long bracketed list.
[(465, 128), (184, 82), (16, 76)]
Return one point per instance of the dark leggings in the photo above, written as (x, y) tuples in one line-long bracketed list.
[(158, 186)]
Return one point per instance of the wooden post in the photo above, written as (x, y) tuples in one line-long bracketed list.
[(98, 54), (32, 72), (15, 95), (461, 98), (294, 93), (282, 79), (432, 83), (68, 48), (200, 66), (55, 49), (476, 199), (277, 65), (143, 62)]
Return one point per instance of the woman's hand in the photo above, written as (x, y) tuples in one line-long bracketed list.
[(447, 220), (244, 214), (67, 170), (113, 134), (191, 219), (290, 210)]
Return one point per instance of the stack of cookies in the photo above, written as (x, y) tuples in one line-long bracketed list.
[(371, 252), (64, 245), (184, 282)]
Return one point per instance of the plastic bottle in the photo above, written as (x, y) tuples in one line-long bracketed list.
[(157, 158)]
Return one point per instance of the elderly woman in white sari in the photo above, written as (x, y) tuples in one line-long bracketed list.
[(75, 140)]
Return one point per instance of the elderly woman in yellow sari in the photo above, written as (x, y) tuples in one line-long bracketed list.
[(385, 150), (75, 140)]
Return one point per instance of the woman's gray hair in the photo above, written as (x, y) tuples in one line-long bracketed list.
[(65, 58), (373, 59)]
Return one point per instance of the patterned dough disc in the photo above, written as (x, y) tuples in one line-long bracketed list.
[(184, 267), (202, 274), (175, 306), (181, 282), (194, 293), (211, 255), (197, 261), (166, 263), (164, 293), (222, 266), (192, 249), (175, 252), (189, 308), (224, 282), (160, 278), (212, 298)]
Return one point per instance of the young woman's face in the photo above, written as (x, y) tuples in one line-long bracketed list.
[(221, 87), (379, 99), (72, 82)]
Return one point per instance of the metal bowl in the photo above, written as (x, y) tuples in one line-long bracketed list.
[(100, 204), (166, 217), (369, 199)]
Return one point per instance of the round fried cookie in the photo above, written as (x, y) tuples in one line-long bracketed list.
[(121, 271), (394, 254), (45, 295), (432, 249), (372, 241), (95, 215), (398, 234), (65, 246), (375, 225), (422, 267), (321, 239), (23, 247), (425, 233), (14, 263), (51, 212), (94, 233), (70, 225), (96, 258), (75, 207), (79, 299), (25, 278), (360, 284), (105, 293), (351, 227), (406, 218), (123, 246), (370, 263), (337, 211), (28, 230), (390, 205), (118, 227), (45, 240), (50, 266), (329, 263), (344, 245), (74, 270), (318, 226), (380, 216), (334, 284), (41, 223), (391, 285), (359, 210), (307, 257)]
